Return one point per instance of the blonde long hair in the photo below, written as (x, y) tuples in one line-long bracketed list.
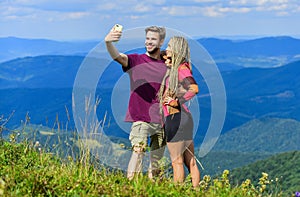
[(180, 50)]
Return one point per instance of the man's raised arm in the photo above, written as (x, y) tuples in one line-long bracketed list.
[(113, 36)]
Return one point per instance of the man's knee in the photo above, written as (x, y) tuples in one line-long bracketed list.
[(193, 162), (138, 149), (177, 161)]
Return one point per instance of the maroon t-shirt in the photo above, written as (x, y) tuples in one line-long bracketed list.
[(145, 75)]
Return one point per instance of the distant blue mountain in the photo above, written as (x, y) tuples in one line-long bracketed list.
[(12, 47), (42, 86), (257, 92), (267, 46), (261, 52), (40, 72), (228, 66), (228, 54)]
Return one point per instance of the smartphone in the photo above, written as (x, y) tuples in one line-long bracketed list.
[(118, 27)]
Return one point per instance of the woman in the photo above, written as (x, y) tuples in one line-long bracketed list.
[(179, 86)]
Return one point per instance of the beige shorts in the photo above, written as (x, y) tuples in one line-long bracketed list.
[(140, 131)]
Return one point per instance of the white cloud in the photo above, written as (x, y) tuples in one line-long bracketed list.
[(95, 13), (154, 2), (76, 15), (283, 9), (135, 17), (130, 8), (16, 13), (297, 8), (183, 10), (106, 6), (208, 11), (235, 10), (260, 2), (213, 8), (55, 5), (239, 2), (277, 7), (205, 1), (212, 12), (141, 8), (282, 14)]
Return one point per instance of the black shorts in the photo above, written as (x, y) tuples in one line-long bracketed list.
[(178, 127)]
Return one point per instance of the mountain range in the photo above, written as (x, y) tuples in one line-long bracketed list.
[(257, 139), (46, 96), (40, 72), (261, 79), (13, 47), (282, 169), (259, 52), (41, 86), (264, 135)]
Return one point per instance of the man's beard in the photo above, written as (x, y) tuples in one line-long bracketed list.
[(153, 51)]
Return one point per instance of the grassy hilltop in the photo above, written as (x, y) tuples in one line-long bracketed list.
[(28, 169)]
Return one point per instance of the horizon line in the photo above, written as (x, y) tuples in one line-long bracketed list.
[(231, 37)]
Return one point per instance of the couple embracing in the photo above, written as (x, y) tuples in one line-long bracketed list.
[(160, 84)]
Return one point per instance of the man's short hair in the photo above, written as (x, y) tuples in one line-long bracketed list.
[(160, 30)]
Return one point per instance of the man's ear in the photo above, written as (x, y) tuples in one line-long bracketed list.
[(161, 43)]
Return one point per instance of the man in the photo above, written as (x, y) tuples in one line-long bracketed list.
[(146, 72)]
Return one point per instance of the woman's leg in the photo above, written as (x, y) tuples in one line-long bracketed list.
[(190, 162), (176, 153)]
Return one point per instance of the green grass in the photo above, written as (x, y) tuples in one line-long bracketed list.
[(283, 170), (27, 170), (54, 163)]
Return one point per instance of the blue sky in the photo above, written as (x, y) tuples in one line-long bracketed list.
[(92, 19)]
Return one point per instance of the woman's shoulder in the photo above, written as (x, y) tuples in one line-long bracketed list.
[(184, 66), (184, 71)]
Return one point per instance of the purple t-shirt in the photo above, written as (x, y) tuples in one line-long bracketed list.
[(145, 75)]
